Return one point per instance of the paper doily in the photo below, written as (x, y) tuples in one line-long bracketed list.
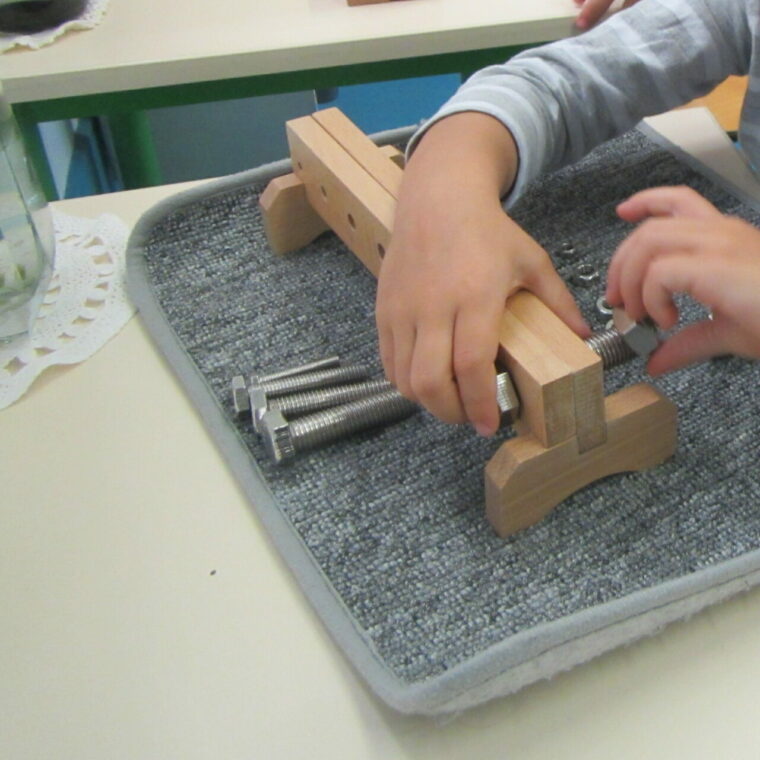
[(85, 305), (90, 17)]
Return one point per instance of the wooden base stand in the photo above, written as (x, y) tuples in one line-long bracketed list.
[(569, 433), (525, 480)]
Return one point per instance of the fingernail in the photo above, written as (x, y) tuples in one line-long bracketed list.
[(485, 430), (581, 23)]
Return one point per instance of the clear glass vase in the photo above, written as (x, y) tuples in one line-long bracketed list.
[(27, 244)]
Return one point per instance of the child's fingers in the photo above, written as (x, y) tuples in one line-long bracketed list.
[(475, 346), (551, 289), (666, 201), (591, 12), (654, 239), (431, 374), (694, 343)]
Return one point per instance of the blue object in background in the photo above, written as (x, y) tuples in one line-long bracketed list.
[(258, 131), (397, 103)]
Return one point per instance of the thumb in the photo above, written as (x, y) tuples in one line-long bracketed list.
[(694, 343)]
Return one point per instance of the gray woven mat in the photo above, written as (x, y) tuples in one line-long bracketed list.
[(386, 530)]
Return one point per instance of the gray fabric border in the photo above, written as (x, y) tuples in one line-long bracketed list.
[(516, 662)]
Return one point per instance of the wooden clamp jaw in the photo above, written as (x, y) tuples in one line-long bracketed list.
[(569, 434)]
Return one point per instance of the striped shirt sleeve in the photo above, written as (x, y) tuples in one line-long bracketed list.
[(562, 99)]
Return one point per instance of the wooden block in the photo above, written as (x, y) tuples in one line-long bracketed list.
[(342, 192), (525, 481), (290, 222), (558, 377), (374, 161)]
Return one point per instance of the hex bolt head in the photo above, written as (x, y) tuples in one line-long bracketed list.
[(641, 336), (276, 436), (240, 396), (258, 404)]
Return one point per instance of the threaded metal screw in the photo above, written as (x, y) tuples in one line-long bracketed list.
[(611, 347), (326, 363), (284, 439), (260, 396), (305, 402), (307, 380)]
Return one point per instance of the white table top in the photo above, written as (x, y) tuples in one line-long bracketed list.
[(146, 615), (147, 43)]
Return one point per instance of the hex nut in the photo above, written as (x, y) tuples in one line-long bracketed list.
[(507, 399), (585, 275), (640, 336)]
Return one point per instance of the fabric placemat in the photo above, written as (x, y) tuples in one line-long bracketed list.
[(386, 530)]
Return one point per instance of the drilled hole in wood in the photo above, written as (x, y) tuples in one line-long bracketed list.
[(323, 190), (381, 250), (351, 222), (300, 165)]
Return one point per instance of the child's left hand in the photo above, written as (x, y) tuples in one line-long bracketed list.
[(685, 245)]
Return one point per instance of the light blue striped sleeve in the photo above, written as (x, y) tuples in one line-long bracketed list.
[(561, 100)]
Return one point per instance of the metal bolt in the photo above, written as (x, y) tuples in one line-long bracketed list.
[(305, 402), (283, 439), (260, 395), (507, 399), (327, 363), (610, 346)]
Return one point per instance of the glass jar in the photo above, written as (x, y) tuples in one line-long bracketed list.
[(27, 244)]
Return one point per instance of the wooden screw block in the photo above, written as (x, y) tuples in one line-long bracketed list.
[(570, 434)]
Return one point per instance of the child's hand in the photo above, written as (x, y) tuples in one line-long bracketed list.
[(593, 10), (454, 259), (685, 245)]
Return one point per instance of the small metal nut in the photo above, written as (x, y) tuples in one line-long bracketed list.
[(603, 307), (567, 251), (585, 275), (507, 399), (640, 336)]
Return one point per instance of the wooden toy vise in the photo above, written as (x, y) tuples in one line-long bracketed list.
[(569, 433)]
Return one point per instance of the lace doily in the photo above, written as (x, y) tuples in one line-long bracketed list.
[(85, 305), (90, 17)]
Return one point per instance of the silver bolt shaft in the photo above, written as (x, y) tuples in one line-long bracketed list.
[(284, 439), (327, 363), (306, 402), (307, 380), (610, 345)]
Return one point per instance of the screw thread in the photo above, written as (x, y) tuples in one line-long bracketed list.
[(328, 425), (296, 404), (318, 379), (326, 363), (610, 345)]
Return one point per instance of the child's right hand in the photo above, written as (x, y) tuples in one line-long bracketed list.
[(685, 245), (454, 259)]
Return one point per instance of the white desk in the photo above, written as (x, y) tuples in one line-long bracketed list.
[(151, 43), (145, 615), (158, 53)]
